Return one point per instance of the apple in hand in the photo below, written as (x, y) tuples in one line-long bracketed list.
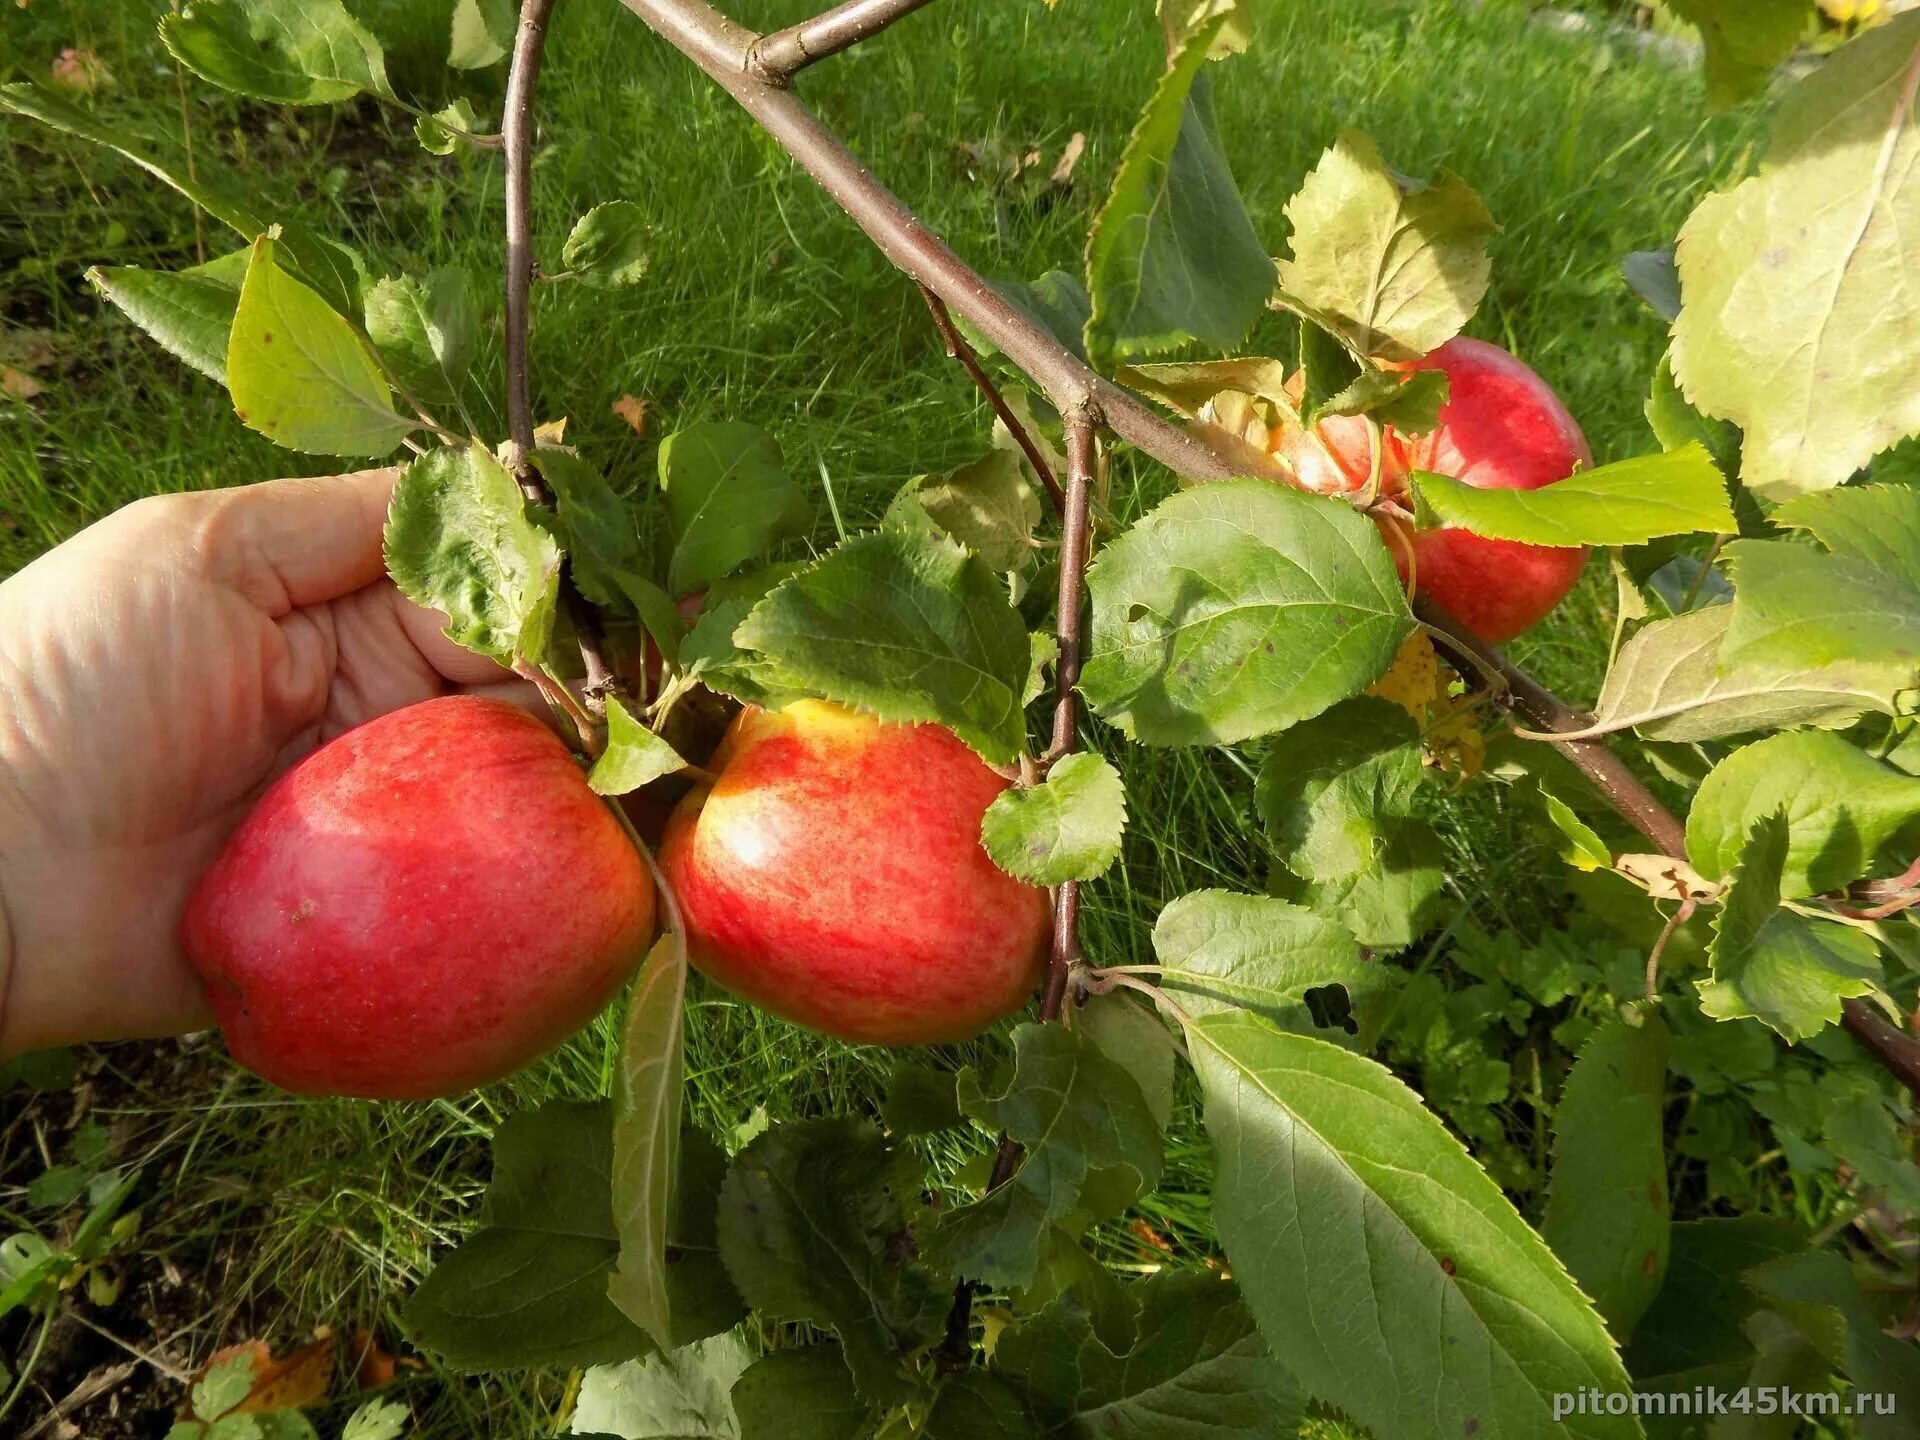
[(425, 904), (833, 874), (1502, 428)]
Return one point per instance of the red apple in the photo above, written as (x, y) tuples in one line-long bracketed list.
[(833, 875), (425, 904), (1502, 428)]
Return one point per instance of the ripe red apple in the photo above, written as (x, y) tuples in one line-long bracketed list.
[(1502, 428), (833, 874), (425, 904)]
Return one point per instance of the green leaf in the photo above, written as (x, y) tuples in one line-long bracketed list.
[(378, 1420), (1652, 276), (1195, 1366), (814, 1228), (728, 499), (646, 1110), (441, 132), (1068, 827), (1220, 951), (1172, 255), (1676, 424), (1607, 1210), (190, 313), (1394, 266), (1388, 905), (1694, 1322), (1369, 1244), (1332, 789), (529, 1287), (801, 1395), (482, 33), (1626, 503), (1796, 607), (686, 1394), (974, 1405), (603, 545), (1057, 300), (634, 756), (1410, 403), (1668, 683), (1077, 1113), (1799, 324), (708, 652), (292, 52), (1237, 609), (1745, 41), (608, 247), (459, 540), (224, 1386), (921, 1100), (1129, 1035), (424, 331), (1775, 965), (299, 374), (1841, 806), (906, 628), (988, 505), (1819, 1295)]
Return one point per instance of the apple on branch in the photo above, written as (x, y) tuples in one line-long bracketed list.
[(1502, 428), (832, 873), (422, 905)]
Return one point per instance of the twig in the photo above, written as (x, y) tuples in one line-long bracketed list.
[(1075, 536), (720, 47), (776, 58), (523, 83), (958, 349), (1064, 953), (1609, 773)]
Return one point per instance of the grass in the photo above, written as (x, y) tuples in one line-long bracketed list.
[(764, 303)]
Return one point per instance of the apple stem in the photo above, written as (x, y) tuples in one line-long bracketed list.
[(516, 132)]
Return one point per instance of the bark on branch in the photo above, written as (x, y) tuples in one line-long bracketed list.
[(523, 83), (724, 51), (779, 56)]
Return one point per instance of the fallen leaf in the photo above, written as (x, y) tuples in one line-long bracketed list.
[(298, 1379), (19, 385), (375, 1365), (80, 71), (551, 432), (633, 410), (1069, 157)]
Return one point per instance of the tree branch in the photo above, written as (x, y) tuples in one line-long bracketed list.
[(523, 83), (777, 57), (721, 48), (958, 349), (1064, 953)]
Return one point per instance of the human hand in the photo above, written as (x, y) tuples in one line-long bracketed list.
[(157, 671)]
